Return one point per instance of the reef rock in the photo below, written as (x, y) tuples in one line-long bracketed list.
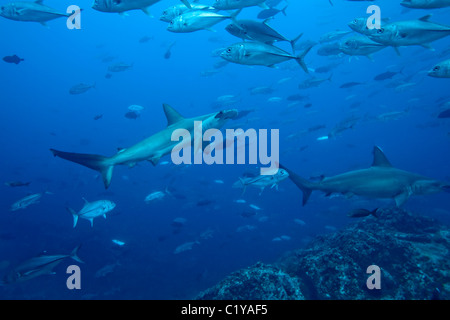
[(412, 252)]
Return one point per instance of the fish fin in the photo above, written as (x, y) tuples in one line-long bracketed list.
[(331, 2), (379, 158), (263, 5), (304, 185), (39, 1), (187, 4), (92, 222), (397, 51), (123, 14), (172, 115), (75, 216), (427, 46), (401, 198), (155, 160), (369, 56), (147, 12), (74, 254), (284, 10), (86, 202), (374, 213), (293, 41), (301, 59), (104, 215), (44, 24), (426, 18), (91, 161), (235, 14)]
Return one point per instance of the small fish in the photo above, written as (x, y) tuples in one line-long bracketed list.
[(145, 39), (156, 195), (271, 12), (136, 108), (99, 116), (385, 75), (219, 181), (350, 84), (359, 213), (119, 67), (444, 114), (81, 88), (92, 210), (37, 266), (118, 242), (240, 201), (17, 184), (13, 59), (254, 207), (27, 201), (132, 115), (168, 52), (185, 247)]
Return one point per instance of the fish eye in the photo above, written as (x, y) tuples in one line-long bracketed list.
[(380, 30), (437, 68), (355, 21), (229, 50)]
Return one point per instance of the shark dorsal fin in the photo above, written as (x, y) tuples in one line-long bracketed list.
[(379, 159), (172, 115)]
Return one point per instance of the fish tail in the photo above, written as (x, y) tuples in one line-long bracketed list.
[(293, 41), (304, 185), (301, 59), (92, 161), (74, 255), (74, 214), (284, 10)]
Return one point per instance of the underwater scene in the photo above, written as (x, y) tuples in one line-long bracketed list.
[(225, 150)]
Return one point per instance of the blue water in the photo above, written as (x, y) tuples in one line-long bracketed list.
[(38, 113)]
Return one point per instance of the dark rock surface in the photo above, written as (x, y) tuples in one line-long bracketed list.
[(412, 251)]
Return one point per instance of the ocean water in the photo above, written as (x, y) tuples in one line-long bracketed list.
[(39, 113)]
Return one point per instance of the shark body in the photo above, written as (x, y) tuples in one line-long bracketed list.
[(381, 180), (151, 148)]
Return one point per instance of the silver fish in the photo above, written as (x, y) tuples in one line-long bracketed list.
[(92, 210), (37, 266)]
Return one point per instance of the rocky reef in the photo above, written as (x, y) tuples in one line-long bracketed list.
[(412, 252)]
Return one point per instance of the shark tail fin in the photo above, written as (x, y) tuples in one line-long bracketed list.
[(91, 161), (74, 255), (374, 213), (304, 185), (301, 59)]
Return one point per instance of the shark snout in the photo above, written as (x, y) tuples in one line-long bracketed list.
[(227, 114)]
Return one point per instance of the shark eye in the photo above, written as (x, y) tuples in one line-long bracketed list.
[(219, 115), (380, 30), (437, 68)]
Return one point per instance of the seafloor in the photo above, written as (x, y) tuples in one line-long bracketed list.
[(411, 250)]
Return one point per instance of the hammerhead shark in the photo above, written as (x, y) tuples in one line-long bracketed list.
[(151, 148), (381, 180)]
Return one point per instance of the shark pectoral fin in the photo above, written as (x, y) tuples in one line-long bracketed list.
[(107, 175), (155, 160), (401, 198), (147, 12)]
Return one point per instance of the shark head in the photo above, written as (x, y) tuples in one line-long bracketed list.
[(429, 187), (217, 120)]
